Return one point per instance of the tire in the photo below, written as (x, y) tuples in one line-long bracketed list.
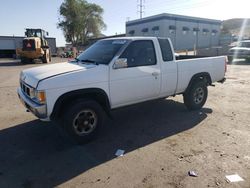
[(83, 120), (196, 95), (46, 57)]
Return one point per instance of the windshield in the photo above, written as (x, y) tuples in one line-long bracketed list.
[(244, 44), (33, 33), (102, 52)]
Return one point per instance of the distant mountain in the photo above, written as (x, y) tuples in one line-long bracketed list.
[(234, 26)]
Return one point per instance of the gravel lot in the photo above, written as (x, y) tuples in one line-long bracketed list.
[(161, 139)]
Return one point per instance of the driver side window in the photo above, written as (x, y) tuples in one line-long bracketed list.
[(140, 53)]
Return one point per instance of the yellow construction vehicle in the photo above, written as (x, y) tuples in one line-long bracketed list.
[(34, 46)]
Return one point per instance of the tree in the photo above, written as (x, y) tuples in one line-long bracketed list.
[(80, 20)]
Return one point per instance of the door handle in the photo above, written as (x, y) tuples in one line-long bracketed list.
[(155, 74)]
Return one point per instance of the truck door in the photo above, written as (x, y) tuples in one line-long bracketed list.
[(169, 68), (140, 79)]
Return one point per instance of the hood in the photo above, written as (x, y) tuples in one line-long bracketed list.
[(33, 75)]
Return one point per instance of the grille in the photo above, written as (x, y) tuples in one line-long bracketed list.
[(26, 89)]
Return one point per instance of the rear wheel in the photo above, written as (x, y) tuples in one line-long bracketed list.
[(196, 96), (46, 57), (82, 120)]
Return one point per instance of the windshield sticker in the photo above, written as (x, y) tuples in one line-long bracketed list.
[(119, 42)]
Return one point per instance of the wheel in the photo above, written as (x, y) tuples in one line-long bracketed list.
[(46, 56), (83, 120), (196, 96)]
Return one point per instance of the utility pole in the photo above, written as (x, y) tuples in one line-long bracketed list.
[(141, 7)]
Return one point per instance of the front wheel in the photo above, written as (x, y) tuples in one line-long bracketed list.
[(196, 96), (83, 120)]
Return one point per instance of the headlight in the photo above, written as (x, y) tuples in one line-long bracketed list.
[(40, 96)]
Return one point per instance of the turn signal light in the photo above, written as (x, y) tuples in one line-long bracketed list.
[(41, 96)]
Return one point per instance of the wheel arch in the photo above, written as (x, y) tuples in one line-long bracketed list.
[(97, 94), (202, 76)]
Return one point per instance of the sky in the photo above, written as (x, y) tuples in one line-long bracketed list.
[(16, 15)]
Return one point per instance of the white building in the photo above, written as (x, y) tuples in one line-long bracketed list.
[(185, 32)]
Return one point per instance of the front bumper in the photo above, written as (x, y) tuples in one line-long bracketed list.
[(39, 110)]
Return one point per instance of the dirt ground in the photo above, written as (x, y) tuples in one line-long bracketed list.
[(161, 139)]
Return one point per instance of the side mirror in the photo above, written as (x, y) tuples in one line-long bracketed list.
[(120, 63), (47, 33)]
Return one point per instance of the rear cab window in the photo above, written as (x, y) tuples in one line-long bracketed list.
[(166, 50)]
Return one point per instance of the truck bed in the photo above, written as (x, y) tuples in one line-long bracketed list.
[(215, 66)]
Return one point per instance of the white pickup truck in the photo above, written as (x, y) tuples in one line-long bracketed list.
[(114, 73), (242, 50)]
